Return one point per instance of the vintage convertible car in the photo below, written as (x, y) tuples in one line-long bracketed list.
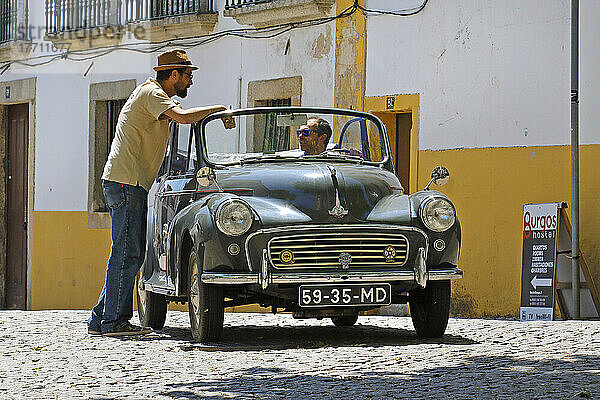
[(244, 215)]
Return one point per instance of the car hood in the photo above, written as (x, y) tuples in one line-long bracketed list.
[(301, 192)]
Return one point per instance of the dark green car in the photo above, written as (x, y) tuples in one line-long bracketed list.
[(262, 213)]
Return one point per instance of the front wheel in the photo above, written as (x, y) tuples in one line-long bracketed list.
[(152, 307), (206, 306), (430, 308)]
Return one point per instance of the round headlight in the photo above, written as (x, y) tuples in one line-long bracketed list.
[(438, 214), (234, 218)]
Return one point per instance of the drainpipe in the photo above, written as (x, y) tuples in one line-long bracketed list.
[(575, 156)]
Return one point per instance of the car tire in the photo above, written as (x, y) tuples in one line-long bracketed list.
[(152, 307), (345, 320), (430, 308), (205, 303)]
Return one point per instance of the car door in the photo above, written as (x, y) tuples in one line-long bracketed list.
[(176, 189)]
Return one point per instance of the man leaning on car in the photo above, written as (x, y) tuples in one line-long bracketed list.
[(135, 157)]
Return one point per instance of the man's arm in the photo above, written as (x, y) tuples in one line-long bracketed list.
[(191, 115)]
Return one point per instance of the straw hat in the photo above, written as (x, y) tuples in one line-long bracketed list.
[(174, 59)]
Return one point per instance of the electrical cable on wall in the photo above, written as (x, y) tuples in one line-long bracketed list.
[(244, 33), (399, 13)]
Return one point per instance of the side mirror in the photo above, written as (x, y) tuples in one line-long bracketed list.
[(439, 176), (205, 176)]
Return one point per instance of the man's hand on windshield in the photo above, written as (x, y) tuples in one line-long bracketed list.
[(344, 151), (228, 122), (350, 152)]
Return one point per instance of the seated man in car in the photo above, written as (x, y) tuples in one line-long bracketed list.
[(314, 136)]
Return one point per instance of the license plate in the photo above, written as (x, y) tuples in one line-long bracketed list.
[(379, 294)]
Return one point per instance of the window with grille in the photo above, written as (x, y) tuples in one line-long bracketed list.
[(277, 92), (276, 138), (113, 108), (106, 101)]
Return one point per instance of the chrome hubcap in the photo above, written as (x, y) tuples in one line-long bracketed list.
[(195, 292), (141, 295)]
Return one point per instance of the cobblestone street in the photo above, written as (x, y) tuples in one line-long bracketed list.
[(48, 354)]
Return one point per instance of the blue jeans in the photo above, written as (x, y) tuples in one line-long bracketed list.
[(128, 206)]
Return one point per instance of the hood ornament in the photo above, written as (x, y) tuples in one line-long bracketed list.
[(337, 211)]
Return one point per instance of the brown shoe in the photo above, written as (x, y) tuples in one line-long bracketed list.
[(127, 329)]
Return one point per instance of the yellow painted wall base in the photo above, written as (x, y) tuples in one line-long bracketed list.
[(68, 261), (488, 187)]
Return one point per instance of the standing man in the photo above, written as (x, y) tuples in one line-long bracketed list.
[(136, 154)]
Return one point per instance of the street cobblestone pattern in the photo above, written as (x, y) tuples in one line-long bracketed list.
[(48, 355)]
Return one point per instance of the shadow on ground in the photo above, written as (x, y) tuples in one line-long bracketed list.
[(481, 377), (253, 338)]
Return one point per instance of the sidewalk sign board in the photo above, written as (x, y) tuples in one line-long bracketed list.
[(546, 266), (540, 223)]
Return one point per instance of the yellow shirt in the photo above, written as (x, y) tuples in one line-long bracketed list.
[(140, 141)]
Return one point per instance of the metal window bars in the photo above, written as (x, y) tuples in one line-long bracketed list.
[(69, 15), (112, 109), (112, 116), (243, 3), (277, 138), (143, 10), (13, 20)]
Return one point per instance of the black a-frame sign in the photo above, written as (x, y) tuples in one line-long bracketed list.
[(547, 268)]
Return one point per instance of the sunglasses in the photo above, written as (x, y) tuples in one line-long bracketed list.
[(304, 132)]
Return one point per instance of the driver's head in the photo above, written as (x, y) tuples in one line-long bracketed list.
[(314, 136)]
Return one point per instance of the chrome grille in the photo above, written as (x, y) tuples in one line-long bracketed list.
[(323, 249)]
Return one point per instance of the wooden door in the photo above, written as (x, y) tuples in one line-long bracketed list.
[(17, 128), (398, 126), (402, 161)]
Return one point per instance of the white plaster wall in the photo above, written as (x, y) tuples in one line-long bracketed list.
[(488, 73), (589, 71), (61, 158), (62, 103)]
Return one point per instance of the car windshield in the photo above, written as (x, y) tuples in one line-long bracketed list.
[(283, 134)]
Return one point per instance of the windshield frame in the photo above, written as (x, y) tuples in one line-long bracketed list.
[(387, 161)]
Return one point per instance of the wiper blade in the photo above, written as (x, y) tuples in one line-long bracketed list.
[(266, 157), (337, 155)]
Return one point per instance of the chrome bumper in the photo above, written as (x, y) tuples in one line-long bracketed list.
[(334, 277), (420, 275)]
